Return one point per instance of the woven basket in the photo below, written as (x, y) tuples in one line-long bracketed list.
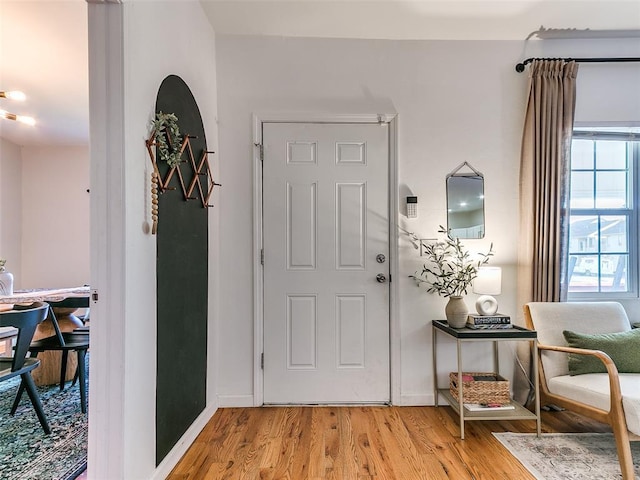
[(480, 391)]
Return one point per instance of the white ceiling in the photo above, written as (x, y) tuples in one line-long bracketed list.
[(418, 19), (43, 52), (43, 44)]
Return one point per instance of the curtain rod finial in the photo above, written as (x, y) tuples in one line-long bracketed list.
[(520, 67)]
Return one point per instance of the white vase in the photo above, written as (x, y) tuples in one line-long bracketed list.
[(456, 312), (6, 283)]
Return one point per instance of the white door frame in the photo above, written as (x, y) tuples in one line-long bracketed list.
[(258, 284)]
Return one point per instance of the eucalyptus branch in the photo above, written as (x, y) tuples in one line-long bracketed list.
[(168, 138), (413, 238), (451, 270)]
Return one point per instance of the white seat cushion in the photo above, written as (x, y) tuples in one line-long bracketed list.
[(593, 389)]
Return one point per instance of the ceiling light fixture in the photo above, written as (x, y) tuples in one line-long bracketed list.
[(20, 97), (14, 95)]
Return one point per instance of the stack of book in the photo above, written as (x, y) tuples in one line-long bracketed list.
[(497, 320), (487, 407)]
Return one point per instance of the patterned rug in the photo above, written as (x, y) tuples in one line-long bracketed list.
[(25, 451), (568, 456)]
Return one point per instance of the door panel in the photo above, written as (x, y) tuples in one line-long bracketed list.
[(350, 225), (301, 331), (326, 318), (351, 328), (301, 226)]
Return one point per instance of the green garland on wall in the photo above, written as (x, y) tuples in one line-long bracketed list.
[(168, 138)]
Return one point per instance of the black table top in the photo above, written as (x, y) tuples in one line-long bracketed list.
[(515, 332)]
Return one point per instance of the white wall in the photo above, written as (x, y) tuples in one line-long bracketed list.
[(11, 208), (55, 217), (456, 101), (448, 96), (133, 47), (44, 214), (606, 92)]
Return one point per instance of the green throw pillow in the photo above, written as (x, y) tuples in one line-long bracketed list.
[(622, 347)]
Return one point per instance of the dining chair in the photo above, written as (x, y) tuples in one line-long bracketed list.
[(26, 320), (64, 342), (73, 303)]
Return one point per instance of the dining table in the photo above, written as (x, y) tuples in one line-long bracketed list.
[(48, 373)]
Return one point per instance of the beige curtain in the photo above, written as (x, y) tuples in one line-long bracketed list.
[(544, 193)]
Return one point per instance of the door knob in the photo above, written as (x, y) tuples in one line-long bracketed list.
[(380, 278)]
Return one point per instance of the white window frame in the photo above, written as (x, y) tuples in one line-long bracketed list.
[(632, 213)]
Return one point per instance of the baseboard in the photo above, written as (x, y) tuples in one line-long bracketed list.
[(232, 401), (244, 401), (415, 400), (180, 448)]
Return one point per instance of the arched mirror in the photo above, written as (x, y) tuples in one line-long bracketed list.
[(465, 202)]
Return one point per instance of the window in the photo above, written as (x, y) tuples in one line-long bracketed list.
[(603, 216)]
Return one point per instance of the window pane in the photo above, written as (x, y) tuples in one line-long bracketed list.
[(582, 195), (611, 189), (598, 253), (614, 275), (611, 154), (589, 275), (583, 273), (613, 234), (583, 234), (586, 265), (582, 154)]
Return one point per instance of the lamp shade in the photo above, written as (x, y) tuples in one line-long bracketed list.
[(488, 281)]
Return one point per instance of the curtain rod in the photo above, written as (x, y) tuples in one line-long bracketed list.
[(520, 66)]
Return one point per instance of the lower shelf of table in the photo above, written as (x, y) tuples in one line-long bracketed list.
[(518, 413)]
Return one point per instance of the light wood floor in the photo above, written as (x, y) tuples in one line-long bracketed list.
[(358, 443)]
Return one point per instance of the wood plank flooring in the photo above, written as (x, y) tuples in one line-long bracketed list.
[(358, 443)]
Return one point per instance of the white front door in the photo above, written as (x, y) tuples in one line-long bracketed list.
[(326, 263)]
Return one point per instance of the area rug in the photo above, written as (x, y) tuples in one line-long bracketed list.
[(568, 456), (25, 451)]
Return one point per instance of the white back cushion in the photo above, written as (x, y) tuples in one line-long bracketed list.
[(550, 319)]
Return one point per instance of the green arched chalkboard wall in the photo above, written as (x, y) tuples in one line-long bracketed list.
[(182, 284)]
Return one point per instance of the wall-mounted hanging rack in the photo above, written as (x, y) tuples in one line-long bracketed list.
[(520, 66), (199, 168)]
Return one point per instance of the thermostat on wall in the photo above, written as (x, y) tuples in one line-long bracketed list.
[(412, 207)]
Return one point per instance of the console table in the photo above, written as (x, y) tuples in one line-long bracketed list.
[(463, 335)]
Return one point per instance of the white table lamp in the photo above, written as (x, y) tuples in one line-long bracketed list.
[(487, 283)]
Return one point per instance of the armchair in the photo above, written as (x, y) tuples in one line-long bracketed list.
[(610, 397)]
